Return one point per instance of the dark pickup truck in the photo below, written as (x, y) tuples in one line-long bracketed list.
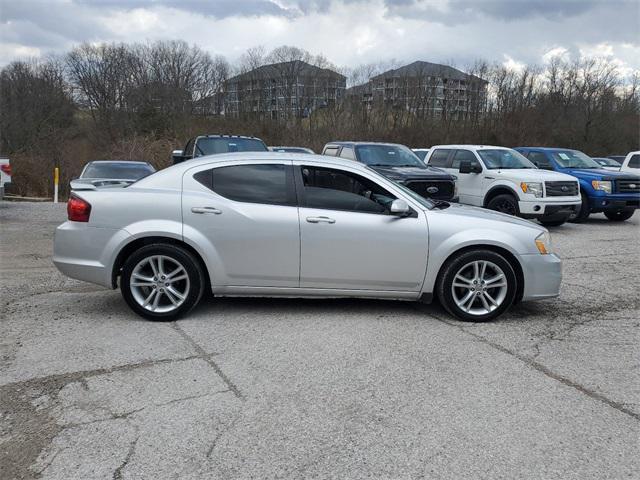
[(399, 164), (213, 144)]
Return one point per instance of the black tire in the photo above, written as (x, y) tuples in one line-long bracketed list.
[(504, 203), (193, 270), (554, 222), (583, 211), (619, 215), (451, 268)]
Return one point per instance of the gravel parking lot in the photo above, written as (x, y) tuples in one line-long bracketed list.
[(264, 388)]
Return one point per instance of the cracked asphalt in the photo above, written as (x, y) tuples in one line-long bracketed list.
[(266, 388)]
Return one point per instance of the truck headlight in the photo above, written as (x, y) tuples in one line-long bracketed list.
[(534, 188), (603, 185), (543, 242)]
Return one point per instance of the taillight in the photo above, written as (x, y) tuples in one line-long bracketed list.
[(6, 168), (78, 210)]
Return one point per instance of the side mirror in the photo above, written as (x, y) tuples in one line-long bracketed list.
[(177, 156), (468, 167), (400, 208)]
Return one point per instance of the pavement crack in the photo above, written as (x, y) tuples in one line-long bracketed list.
[(117, 474), (203, 354), (217, 438)]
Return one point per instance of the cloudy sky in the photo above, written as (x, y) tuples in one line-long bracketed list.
[(347, 32)]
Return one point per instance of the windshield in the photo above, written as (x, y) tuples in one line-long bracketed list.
[(607, 162), (387, 156), (119, 170), (421, 154), (211, 146), (504, 159), (574, 159)]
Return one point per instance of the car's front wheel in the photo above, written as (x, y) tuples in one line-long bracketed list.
[(556, 222), (582, 211), (161, 282), (619, 215), (477, 285), (504, 203)]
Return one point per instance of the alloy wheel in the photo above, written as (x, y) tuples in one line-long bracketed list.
[(479, 287), (159, 283)]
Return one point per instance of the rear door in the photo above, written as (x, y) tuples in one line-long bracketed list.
[(244, 218)]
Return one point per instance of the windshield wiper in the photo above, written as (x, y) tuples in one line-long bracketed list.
[(439, 204)]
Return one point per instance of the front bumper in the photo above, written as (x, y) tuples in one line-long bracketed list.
[(615, 201), (542, 276), (547, 209), (87, 253)]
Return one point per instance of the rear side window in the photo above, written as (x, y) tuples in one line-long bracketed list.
[(439, 158), (463, 156), (270, 184), (634, 161), (332, 151), (540, 160)]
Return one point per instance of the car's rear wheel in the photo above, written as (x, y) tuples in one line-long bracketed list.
[(504, 203), (162, 282), (582, 211), (619, 215), (477, 285)]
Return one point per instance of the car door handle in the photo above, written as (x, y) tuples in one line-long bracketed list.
[(490, 178), (320, 220), (206, 210)]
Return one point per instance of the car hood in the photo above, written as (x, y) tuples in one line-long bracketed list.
[(478, 213), (529, 175), (412, 173), (599, 174)]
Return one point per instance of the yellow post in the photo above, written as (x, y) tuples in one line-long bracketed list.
[(56, 178)]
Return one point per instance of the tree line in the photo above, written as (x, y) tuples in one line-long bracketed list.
[(140, 101)]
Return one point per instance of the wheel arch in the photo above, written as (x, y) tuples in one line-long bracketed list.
[(499, 190), (509, 256), (137, 243)]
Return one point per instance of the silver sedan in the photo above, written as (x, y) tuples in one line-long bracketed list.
[(297, 225)]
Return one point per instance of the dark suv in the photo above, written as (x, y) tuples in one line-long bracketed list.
[(212, 144), (399, 164)]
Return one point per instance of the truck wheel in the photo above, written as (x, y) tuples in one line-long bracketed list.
[(619, 215), (161, 282), (504, 203), (583, 211), (477, 285)]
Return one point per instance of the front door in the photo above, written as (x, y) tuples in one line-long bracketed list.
[(244, 218), (350, 241), (470, 185)]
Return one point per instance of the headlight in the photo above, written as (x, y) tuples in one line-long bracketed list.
[(534, 188), (605, 186), (543, 242)]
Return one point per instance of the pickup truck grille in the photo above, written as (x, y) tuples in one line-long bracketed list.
[(561, 189), (422, 187), (628, 186)]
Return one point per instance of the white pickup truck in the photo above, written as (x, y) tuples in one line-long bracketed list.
[(502, 179), (631, 163), (5, 174)]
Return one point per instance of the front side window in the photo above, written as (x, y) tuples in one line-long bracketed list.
[(634, 161), (332, 189), (215, 145), (439, 158), (387, 156), (268, 183), (504, 159), (574, 159), (464, 156), (540, 160)]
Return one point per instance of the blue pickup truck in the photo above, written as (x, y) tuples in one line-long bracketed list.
[(616, 194)]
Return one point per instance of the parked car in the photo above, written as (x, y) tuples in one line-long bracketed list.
[(5, 175), (400, 164), (305, 226), (616, 194), (214, 144), (617, 158), (607, 163), (421, 153), (631, 163), (291, 150), (501, 179), (103, 173)]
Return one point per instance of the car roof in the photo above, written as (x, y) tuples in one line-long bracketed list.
[(354, 144), (421, 149), (461, 145), (548, 148), (224, 135), (119, 161)]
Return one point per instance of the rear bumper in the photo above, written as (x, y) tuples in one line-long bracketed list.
[(542, 276), (87, 253), (548, 209)]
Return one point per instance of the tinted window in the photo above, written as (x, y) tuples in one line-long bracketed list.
[(387, 156), (540, 160), (331, 151), (439, 158), (339, 190), (463, 156), (214, 145), (634, 161), (120, 170), (268, 184), (347, 152)]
